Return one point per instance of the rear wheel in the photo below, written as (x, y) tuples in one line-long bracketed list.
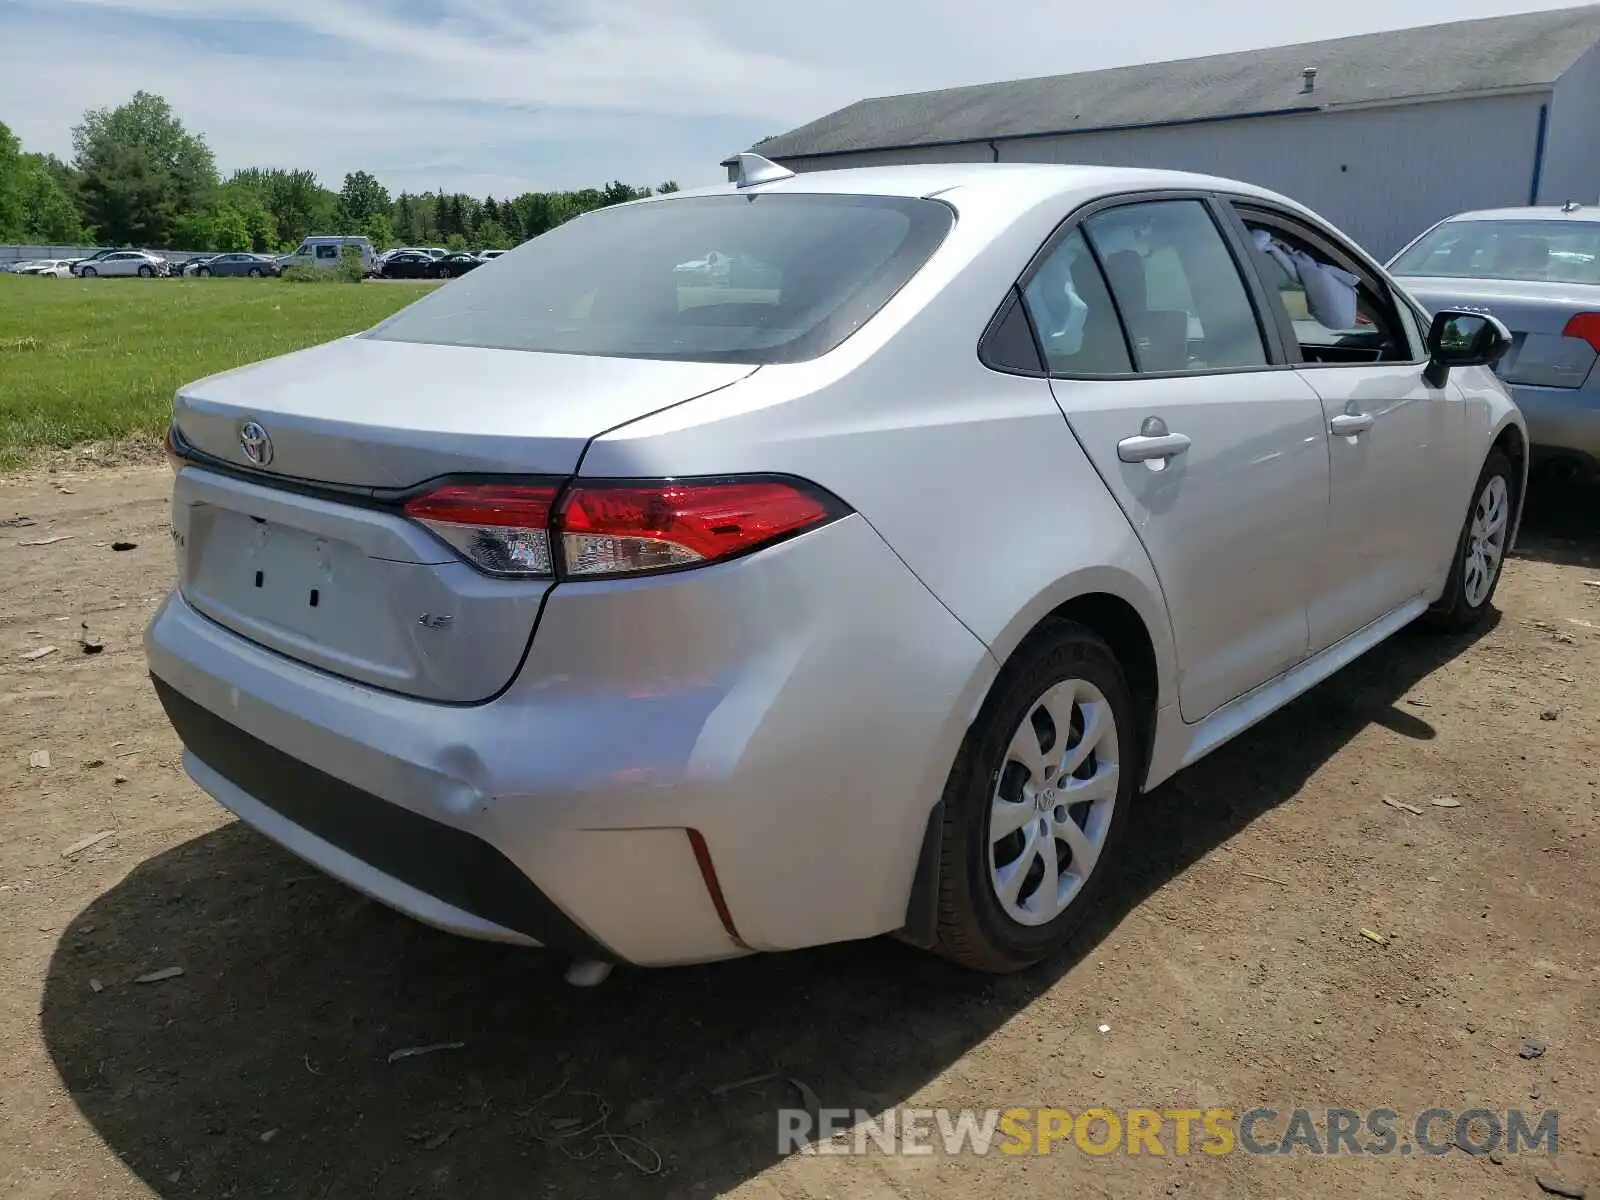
[(442, 272), (1480, 550), (1036, 803), (254, 272)]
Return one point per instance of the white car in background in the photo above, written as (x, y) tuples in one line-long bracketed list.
[(125, 262), (52, 268)]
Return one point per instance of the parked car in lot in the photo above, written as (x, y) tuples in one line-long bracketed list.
[(452, 265), (52, 268), (1538, 270), (405, 264), (89, 260), (326, 251), (237, 263), (491, 255), (556, 611), (122, 262)]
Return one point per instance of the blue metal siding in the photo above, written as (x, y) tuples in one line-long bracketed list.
[(1572, 156), (1382, 175)]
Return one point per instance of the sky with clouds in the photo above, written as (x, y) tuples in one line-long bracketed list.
[(503, 96)]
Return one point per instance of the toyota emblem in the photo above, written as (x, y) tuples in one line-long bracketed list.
[(255, 443)]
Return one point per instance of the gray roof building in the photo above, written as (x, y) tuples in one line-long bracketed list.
[(1214, 113)]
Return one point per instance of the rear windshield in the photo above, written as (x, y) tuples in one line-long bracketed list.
[(1544, 251), (742, 279)]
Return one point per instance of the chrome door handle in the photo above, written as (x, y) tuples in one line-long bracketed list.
[(1351, 424), (1146, 449)]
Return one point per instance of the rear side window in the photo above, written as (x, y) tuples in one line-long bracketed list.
[(1177, 286), (746, 279), (327, 252), (1072, 311)]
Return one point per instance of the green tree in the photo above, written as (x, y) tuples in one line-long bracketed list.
[(11, 186), (229, 230), (48, 213), (491, 235), (361, 198), (379, 230), (131, 199), (667, 188), (141, 170), (456, 242)]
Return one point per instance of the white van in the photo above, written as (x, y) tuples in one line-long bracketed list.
[(325, 251)]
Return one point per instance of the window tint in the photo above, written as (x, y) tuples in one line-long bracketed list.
[(1177, 287), (1547, 251), (1073, 313), (749, 279), (1367, 330), (327, 252)]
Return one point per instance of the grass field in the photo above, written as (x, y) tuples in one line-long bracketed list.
[(99, 360)]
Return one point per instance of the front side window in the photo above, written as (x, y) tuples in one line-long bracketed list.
[(1337, 316), (750, 279), (1177, 287), (1553, 251)]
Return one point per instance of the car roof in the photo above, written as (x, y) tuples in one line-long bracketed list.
[(1542, 212), (1000, 189)]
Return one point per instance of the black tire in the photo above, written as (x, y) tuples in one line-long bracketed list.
[(202, 270), (146, 272), (87, 272), (974, 930), (254, 272), (1454, 613), (443, 273)]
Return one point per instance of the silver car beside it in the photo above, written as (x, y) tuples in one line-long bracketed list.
[(1537, 270), (661, 618)]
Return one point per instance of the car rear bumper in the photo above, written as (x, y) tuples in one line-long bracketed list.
[(1562, 419), (741, 757)]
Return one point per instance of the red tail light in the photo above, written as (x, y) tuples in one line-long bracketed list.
[(1586, 327), (503, 529), (625, 529), (174, 455), (607, 529)]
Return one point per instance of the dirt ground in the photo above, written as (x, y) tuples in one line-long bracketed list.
[(1229, 962)]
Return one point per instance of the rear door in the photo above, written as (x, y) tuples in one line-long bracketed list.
[(1216, 452), (1397, 447)]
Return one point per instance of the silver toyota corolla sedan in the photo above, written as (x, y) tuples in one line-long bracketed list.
[(662, 617), (1538, 270)]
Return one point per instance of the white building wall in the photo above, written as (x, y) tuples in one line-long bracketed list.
[(1382, 175), (1572, 142)]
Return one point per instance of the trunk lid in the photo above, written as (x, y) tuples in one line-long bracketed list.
[(1535, 313), (377, 414), (351, 586)]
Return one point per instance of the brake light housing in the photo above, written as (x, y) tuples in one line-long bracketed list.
[(1586, 327), (602, 528), (500, 528)]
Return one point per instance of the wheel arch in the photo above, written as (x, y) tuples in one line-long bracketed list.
[(1118, 622), (1511, 439)]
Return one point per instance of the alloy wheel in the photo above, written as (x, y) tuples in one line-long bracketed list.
[(1486, 540), (1053, 801)]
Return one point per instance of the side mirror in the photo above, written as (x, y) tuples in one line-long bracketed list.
[(1463, 339)]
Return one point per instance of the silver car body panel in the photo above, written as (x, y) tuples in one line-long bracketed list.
[(707, 700), (797, 709)]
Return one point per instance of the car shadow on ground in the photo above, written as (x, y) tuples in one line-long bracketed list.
[(264, 1068), (1561, 523)]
